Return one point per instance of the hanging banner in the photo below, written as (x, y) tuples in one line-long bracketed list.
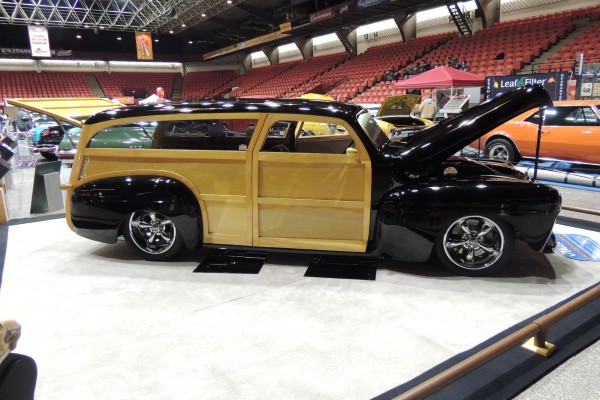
[(555, 83), (143, 44), (39, 42)]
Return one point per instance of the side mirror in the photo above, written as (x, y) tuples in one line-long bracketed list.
[(352, 153)]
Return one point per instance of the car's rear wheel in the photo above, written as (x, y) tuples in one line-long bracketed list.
[(152, 235), (475, 245), (501, 149)]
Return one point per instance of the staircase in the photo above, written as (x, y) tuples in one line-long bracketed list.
[(177, 87), (581, 25), (95, 86), (461, 19), (347, 36)]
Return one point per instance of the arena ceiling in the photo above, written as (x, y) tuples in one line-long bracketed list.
[(210, 23)]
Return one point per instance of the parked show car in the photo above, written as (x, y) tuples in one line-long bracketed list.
[(56, 122), (208, 180), (398, 111), (570, 132)]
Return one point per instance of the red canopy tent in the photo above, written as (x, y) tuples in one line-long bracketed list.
[(441, 77)]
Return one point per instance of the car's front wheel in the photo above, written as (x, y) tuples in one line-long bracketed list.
[(152, 235), (475, 245), (500, 149)]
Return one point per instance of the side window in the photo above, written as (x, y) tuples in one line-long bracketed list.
[(205, 134), (307, 137), (129, 136), (590, 117), (575, 117), (557, 116)]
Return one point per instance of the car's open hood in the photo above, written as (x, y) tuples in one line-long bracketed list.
[(70, 110), (398, 105), (438, 142)]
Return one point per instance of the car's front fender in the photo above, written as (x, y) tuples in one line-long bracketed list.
[(411, 217)]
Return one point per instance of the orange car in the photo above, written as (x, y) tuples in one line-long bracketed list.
[(571, 132)]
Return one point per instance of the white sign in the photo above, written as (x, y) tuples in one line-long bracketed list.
[(38, 39)]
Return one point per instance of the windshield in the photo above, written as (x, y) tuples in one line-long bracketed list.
[(372, 129)]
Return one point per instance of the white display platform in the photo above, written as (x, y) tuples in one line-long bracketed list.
[(102, 324)]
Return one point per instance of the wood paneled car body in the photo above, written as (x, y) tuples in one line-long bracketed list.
[(239, 174)]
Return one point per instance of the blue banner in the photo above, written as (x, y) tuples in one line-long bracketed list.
[(578, 247)]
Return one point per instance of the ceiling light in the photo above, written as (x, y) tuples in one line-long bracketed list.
[(119, 38), (102, 27), (78, 36), (190, 42), (170, 31), (183, 25), (156, 40), (229, 2)]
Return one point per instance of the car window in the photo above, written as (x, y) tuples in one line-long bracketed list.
[(563, 116), (200, 134), (137, 135), (591, 118), (372, 129), (306, 136)]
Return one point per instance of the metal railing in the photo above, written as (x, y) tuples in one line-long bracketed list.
[(538, 330)]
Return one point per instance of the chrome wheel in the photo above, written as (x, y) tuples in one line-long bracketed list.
[(499, 152), (152, 233), (501, 149), (474, 243)]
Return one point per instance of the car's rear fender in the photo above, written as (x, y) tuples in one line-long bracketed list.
[(411, 217), (99, 208)]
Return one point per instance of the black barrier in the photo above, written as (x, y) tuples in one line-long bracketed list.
[(46, 194)]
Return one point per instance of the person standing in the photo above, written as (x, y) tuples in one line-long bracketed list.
[(428, 108)]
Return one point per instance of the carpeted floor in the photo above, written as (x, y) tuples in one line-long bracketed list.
[(101, 324)]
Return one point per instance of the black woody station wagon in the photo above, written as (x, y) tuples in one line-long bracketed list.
[(247, 173)]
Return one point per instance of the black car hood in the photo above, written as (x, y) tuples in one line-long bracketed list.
[(431, 146)]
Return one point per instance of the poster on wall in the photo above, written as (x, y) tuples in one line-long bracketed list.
[(555, 83), (590, 82), (143, 44), (38, 41)]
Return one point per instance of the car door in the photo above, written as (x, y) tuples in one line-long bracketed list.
[(571, 133), (310, 193)]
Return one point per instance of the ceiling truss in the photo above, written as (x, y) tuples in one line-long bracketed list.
[(126, 15)]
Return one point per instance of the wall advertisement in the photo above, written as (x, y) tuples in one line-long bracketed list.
[(38, 41), (555, 83)]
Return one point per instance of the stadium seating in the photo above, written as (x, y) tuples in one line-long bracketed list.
[(30, 84), (119, 84), (204, 84), (586, 43)]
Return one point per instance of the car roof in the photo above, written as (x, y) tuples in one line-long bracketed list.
[(245, 105)]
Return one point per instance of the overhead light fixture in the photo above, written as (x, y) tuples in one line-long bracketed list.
[(118, 37), (156, 40), (170, 31), (78, 36), (229, 1), (183, 25), (102, 27), (190, 42), (144, 30), (204, 15)]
